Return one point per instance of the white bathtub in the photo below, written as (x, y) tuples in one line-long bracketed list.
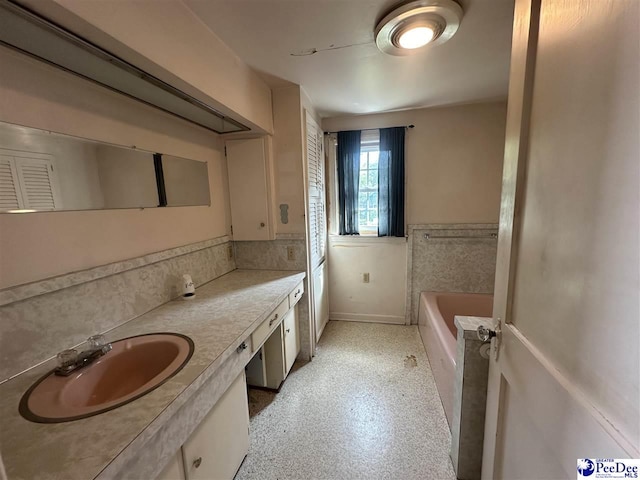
[(435, 322)]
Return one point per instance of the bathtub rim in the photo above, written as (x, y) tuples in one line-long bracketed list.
[(430, 300)]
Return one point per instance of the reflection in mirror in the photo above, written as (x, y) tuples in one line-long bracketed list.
[(43, 171), (186, 181)]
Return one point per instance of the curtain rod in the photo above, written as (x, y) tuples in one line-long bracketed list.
[(369, 129)]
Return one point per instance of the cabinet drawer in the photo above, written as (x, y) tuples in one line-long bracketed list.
[(269, 325), (295, 296)]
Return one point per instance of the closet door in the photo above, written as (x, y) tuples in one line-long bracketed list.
[(316, 224), (315, 188)]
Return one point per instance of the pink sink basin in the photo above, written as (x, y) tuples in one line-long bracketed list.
[(134, 367)]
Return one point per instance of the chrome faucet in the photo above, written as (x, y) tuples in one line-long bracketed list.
[(70, 360)]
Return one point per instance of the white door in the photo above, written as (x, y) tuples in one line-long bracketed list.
[(564, 385), (321, 298)]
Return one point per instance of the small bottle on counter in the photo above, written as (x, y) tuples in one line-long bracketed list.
[(188, 288)]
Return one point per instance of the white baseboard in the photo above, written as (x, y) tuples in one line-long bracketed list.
[(367, 317)]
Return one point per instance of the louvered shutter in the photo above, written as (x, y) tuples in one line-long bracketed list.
[(314, 161), (317, 230), (36, 183), (321, 234), (10, 198), (315, 178)]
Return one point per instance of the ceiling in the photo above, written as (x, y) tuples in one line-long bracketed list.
[(471, 67)]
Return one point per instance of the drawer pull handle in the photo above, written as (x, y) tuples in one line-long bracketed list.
[(288, 330), (296, 294), (273, 320), (197, 462), (241, 347)]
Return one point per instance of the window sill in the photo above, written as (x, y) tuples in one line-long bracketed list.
[(335, 239)]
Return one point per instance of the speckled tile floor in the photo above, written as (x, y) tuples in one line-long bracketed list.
[(365, 407)]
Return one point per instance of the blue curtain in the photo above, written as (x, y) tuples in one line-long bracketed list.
[(348, 177), (391, 183)]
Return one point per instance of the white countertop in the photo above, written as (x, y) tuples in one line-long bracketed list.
[(223, 314)]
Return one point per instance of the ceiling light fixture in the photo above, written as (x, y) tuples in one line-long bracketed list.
[(416, 37), (408, 28)]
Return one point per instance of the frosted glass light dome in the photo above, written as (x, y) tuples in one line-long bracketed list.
[(416, 37), (417, 24)]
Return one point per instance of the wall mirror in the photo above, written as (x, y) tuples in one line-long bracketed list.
[(44, 171)]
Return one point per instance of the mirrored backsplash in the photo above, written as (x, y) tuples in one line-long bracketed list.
[(44, 171)]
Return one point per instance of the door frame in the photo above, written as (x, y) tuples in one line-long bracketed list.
[(522, 69)]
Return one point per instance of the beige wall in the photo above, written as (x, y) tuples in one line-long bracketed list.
[(291, 105), (306, 105), (453, 160), (167, 40), (380, 300), (40, 245), (453, 175), (287, 155)]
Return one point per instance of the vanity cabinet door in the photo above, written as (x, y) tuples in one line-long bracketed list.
[(291, 338), (256, 370), (218, 446), (274, 359), (175, 469)]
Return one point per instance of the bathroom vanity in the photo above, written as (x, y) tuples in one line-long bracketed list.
[(193, 426), (219, 444), (276, 344)]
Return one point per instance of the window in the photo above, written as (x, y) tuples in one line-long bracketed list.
[(368, 162), (368, 183)]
